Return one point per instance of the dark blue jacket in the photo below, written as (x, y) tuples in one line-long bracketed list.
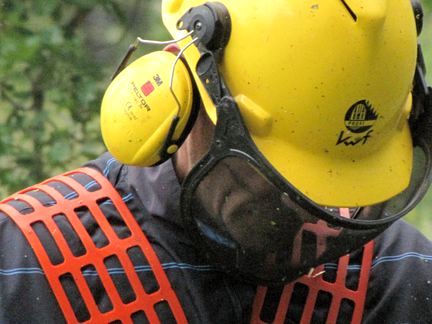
[(400, 286)]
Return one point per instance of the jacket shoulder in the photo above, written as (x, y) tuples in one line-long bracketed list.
[(25, 289), (400, 285)]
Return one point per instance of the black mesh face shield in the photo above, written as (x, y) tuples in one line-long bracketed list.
[(251, 221)]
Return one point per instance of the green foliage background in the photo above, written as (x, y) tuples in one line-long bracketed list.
[(56, 59)]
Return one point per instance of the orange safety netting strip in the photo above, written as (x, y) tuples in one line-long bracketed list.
[(94, 256), (338, 291)]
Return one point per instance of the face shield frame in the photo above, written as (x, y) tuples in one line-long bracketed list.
[(232, 139), (210, 25)]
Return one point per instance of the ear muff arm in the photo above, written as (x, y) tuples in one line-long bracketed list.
[(169, 147), (421, 114), (131, 49), (418, 15), (134, 46), (208, 73), (211, 25)]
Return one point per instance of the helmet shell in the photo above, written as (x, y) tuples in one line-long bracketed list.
[(324, 88)]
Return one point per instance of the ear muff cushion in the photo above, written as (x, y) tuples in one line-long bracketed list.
[(138, 108)]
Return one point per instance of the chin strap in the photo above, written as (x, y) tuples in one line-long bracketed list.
[(65, 197)]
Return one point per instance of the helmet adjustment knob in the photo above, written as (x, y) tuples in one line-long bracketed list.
[(211, 24)]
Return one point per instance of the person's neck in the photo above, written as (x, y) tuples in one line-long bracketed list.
[(182, 160), (195, 146)]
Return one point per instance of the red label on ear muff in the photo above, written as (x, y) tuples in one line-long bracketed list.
[(147, 88)]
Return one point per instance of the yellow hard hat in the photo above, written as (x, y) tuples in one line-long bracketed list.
[(324, 88)]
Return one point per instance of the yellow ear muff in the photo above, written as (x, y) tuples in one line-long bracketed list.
[(139, 113)]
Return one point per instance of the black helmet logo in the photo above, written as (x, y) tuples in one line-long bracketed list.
[(360, 117)]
